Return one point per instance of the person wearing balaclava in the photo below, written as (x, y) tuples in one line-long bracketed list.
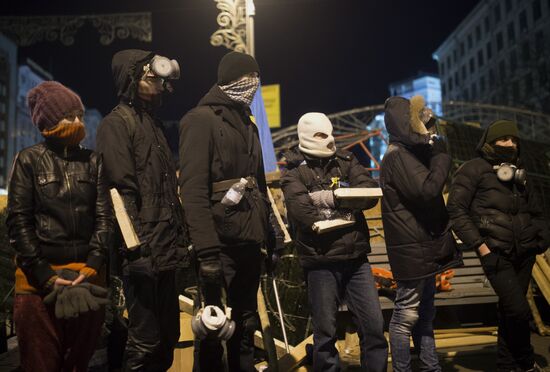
[(494, 213), (335, 263), (417, 232), (59, 221), (219, 147), (139, 165)]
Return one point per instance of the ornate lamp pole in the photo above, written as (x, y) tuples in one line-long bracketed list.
[(236, 21)]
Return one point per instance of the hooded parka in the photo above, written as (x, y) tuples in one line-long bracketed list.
[(416, 225), (504, 215), (139, 164)]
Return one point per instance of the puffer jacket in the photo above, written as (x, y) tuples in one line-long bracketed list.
[(305, 174), (219, 142), (59, 211), (504, 215), (139, 164), (416, 224)]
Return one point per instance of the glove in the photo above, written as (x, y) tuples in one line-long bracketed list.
[(271, 262), (74, 300), (439, 145), (211, 279), (322, 199)]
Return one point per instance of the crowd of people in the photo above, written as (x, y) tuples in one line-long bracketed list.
[(217, 214)]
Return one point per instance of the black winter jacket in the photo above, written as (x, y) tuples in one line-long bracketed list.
[(416, 225), (218, 142), (305, 174), (504, 215), (59, 210), (139, 164)]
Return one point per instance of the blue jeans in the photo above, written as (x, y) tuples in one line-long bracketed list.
[(413, 314), (352, 283)]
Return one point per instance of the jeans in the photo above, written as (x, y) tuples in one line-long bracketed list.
[(413, 314), (241, 267), (352, 283), (510, 278), (153, 314)]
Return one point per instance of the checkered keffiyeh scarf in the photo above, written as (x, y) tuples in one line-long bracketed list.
[(243, 90)]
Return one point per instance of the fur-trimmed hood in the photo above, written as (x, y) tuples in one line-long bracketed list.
[(403, 122)]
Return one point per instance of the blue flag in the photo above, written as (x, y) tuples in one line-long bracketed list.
[(258, 110)]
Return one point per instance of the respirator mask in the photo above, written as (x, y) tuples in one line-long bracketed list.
[(507, 172)]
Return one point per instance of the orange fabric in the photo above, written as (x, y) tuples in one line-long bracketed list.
[(69, 134), (22, 285), (88, 272)]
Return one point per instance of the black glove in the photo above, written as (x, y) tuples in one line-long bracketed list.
[(271, 262), (439, 145), (211, 279)]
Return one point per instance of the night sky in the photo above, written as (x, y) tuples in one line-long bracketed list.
[(328, 55)]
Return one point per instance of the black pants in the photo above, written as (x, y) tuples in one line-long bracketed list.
[(241, 269), (510, 278), (153, 314)]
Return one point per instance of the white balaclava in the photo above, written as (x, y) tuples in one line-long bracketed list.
[(310, 124)]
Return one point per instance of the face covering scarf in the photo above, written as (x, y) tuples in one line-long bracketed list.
[(67, 134), (242, 90), (500, 154)]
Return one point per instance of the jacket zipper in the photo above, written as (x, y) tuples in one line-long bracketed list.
[(65, 152)]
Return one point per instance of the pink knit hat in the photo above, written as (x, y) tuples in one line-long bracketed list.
[(49, 102)]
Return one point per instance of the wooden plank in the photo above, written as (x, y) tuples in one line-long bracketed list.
[(279, 345), (467, 330), (292, 360), (186, 304)]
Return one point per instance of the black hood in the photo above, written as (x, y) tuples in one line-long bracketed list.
[(398, 123), (127, 69), (483, 154)]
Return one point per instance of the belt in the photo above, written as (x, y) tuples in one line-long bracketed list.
[(226, 184)]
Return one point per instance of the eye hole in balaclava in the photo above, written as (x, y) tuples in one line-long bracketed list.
[(315, 135)]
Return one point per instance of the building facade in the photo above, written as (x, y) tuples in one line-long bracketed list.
[(499, 54), (24, 133), (8, 89), (425, 85)]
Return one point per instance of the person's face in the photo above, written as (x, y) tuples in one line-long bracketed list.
[(75, 117), (247, 76), (508, 141), (150, 86)]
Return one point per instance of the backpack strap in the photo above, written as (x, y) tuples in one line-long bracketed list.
[(129, 116)]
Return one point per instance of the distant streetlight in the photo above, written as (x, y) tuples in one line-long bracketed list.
[(236, 21)]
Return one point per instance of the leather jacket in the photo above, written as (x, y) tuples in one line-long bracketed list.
[(59, 209)]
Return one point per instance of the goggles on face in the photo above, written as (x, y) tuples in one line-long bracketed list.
[(163, 68)]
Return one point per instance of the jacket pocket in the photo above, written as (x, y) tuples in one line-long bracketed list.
[(49, 184), (86, 183), (244, 222)]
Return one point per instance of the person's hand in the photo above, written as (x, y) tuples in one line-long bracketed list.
[(439, 145), (483, 250), (59, 282), (79, 280), (322, 199), (211, 279)]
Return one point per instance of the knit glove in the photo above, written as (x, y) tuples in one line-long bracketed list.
[(71, 301), (322, 199)]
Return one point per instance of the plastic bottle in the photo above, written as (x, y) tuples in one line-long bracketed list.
[(234, 195)]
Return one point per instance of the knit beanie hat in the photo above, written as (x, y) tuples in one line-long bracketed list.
[(234, 65), (501, 128), (310, 124), (49, 102)]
